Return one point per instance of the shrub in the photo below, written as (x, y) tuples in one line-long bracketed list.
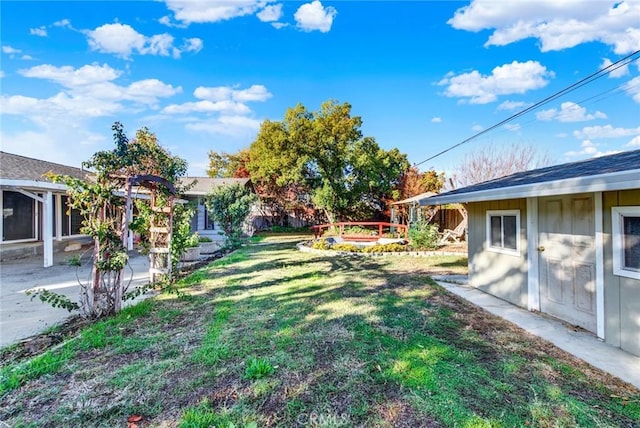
[(423, 236), (345, 246), (193, 240), (321, 244), (204, 239), (385, 248)]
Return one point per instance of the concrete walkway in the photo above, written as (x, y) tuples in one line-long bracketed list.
[(21, 317), (581, 344)]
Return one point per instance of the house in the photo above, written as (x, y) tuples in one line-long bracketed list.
[(197, 189), (563, 240), (35, 216)]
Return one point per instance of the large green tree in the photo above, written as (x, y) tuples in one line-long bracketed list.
[(324, 152)]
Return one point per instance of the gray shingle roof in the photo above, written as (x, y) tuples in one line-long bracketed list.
[(205, 185), (611, 164), (16, 167)]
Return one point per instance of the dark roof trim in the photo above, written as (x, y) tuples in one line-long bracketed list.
[(615, 172)]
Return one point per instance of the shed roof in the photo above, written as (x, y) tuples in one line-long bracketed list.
[(614, 172), (204, 185), (16, 167)]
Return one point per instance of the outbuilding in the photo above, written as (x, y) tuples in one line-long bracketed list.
[(563, 240)]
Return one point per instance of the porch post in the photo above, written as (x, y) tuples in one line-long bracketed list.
[(47, 229)]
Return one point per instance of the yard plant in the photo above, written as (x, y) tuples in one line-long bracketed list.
[(271, 336)]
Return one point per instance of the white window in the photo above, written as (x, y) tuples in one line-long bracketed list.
[(625, 222), (503, 231)]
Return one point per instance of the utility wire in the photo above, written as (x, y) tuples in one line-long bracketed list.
[(592, 77)]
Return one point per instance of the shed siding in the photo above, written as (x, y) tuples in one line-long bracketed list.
[(502, 275), (621, 294)]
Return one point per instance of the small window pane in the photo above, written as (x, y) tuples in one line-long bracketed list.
[(631, 242), (76, 221), (496, 231), (509, 230)]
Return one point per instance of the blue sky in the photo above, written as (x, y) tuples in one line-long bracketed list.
[(423, 75)]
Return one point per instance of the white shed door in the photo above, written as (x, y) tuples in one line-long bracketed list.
[(567, 259)]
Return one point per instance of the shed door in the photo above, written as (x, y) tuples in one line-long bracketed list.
[(567, 259)]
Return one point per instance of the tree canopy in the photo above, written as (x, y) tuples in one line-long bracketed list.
[(346, 175)]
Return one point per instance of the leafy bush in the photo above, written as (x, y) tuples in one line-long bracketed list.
[(321, 244), (204, 239), (345, 246), (423, 236), (385, 248)]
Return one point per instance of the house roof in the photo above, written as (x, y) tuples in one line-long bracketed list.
[(415, 198), (614, 172), (204, 185), (21, 170)]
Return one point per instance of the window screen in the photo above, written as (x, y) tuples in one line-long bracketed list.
[(18, 216)]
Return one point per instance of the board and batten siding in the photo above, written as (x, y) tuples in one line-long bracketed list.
[(501, 275), (621, 294)]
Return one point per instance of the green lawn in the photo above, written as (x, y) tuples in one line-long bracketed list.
[(270, 336)]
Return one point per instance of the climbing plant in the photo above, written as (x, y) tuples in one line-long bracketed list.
[(101, 204)]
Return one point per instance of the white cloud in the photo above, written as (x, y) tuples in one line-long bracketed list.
[(236, 126), (514, 78), (635, 142), (588, 148), (225, 109), (219, 93), (123, 40), (46, 143), (9, 50), (205, 106), (477, 128), (620, 71), (607, 131), (88, 91), (205, 11), (193, 44), (270, 13), (40, 31), (512, 127), (557, 25), (62, 23), (436, 119), (569, 112), (632, 88), (70, 77), (512, 105), (313, 16), (2, 74)]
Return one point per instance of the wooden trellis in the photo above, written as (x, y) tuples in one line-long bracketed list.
[(161, 227)]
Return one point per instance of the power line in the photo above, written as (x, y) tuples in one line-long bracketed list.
[(592, 77)]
